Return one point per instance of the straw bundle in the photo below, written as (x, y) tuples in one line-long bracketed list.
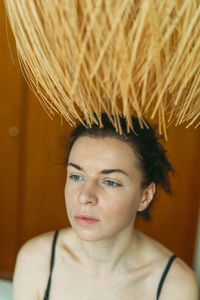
[(120, 57)]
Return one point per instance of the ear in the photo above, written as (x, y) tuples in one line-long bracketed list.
[(147, 196)]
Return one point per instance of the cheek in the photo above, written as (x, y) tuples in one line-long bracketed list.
[(69, 203), (69, 191), (123, 207), (66, 192), (119, 214), (69, 196)]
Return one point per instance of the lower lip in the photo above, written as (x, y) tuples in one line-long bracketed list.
[(85, 222)]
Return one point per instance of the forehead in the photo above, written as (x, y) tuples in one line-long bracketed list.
[(107, 152)]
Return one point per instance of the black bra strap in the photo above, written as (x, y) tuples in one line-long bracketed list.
[(46, 297), (164, 275)]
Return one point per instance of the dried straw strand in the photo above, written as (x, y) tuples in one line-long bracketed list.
[(120, 57)]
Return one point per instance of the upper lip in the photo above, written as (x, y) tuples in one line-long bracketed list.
[(86, 216)]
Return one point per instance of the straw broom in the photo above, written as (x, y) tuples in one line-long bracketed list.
[(125, 58)]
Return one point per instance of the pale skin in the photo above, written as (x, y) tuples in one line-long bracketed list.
[(109, 259)]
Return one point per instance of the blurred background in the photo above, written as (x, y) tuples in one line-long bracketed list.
[(32, 172)]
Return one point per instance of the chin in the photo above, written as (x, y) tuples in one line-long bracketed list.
[(88, 235), (94, 235)]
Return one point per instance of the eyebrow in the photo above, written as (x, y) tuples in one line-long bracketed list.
[(107, 171)]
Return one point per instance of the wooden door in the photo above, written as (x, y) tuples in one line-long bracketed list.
[(44, 172), (11, 136)]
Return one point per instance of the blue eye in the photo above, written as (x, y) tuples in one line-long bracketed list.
[(75, 177), (112, 183)]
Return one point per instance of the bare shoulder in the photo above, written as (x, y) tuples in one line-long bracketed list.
[(32, 251), (180, 282), (32, 267)]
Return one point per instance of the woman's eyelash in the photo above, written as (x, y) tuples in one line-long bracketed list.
[(75, 177), (108, 182), (112, 183)]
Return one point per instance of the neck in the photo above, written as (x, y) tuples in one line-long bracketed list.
[(109, 255)]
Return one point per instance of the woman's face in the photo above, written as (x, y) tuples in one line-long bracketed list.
[(103, 183)]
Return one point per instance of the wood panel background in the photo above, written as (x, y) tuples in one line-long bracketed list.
[(32, 173), (11, 107)]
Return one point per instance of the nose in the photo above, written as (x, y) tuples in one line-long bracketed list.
[(88, 194)]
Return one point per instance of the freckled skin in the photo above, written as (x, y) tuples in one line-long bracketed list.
[(112, 198)]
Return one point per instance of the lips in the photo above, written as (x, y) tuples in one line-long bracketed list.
[(85, 220), (83, 216)]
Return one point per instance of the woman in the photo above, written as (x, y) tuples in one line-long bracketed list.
[(110, 179)]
